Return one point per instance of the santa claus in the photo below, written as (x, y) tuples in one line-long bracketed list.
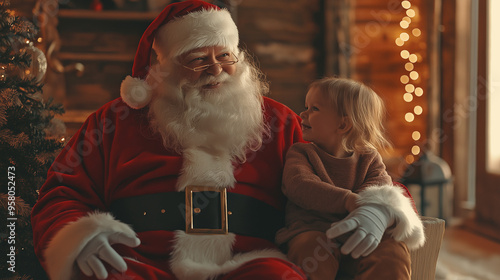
[(180, 177)]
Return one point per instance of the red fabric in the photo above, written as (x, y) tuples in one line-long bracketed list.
[(115, 155), (143, 54), (266, 269), (407, 193), (262, 269)]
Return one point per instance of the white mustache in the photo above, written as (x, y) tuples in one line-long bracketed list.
[(222, 77)]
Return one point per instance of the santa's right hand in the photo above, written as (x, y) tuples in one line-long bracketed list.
[(99, 249)]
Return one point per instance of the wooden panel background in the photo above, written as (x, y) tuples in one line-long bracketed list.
[(284, 36), (107, 49)]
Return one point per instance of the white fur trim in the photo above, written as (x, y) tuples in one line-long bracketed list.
[(201, 168), (198, 29), (408, 226), (200, 257), (68, 242), (135, 92)]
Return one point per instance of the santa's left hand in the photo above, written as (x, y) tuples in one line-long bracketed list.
[(369, 222), (99, 249)]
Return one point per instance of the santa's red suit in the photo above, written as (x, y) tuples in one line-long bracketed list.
[(115, 156), (115, 176)]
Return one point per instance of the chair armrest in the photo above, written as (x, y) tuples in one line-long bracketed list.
[(424, 259)]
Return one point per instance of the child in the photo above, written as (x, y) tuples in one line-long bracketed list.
[(322, 179)]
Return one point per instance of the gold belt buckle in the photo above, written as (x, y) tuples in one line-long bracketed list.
[(189, 210)]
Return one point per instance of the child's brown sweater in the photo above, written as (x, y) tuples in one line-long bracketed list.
[(317, 185)]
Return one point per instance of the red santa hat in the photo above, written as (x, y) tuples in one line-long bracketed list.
[(179, 28)]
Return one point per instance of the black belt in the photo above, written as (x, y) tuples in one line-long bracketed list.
[(167, 211)]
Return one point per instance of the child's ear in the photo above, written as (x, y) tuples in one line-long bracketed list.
[(345, 125)]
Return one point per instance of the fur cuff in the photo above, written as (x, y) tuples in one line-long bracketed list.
[(135, 92), (408, 226), (69, 241)]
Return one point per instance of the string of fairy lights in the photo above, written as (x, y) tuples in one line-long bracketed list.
[(410, 79)]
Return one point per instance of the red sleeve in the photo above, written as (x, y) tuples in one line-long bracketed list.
[(407, 193), (283, 123), (73, 187)]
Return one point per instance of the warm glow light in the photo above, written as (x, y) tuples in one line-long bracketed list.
[(409, 117), (418, 110), (410, 159), (405, 54), (415, 135), (409, 88), (408, 97), (39, 40), (413, 58), (419, 91), (410, 12), (414, 75), (27, 41), (415, 150), (404, 36)]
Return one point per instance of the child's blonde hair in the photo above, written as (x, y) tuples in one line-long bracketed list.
[(362, 106)]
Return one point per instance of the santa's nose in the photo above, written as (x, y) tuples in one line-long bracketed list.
[(214, 69)]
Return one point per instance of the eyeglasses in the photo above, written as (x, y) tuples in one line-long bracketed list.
[(221, 63)]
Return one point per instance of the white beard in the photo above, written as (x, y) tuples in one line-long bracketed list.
[(211, 128)]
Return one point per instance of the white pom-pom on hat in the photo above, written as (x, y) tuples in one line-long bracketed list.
[(135, 92), (179, 28)]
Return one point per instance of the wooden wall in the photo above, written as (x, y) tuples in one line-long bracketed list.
[(285, 37), (106, 48)]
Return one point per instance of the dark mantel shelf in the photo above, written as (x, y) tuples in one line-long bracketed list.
[(107, 15)]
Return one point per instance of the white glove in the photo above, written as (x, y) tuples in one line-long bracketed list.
[(370, 222), (99, 249)]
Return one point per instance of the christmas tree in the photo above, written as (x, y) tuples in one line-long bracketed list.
[(30, 138)]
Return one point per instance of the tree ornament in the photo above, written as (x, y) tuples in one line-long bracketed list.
[(35, 70), (38, 66)]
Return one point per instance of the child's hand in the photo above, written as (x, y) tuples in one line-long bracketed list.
[(351, 202)]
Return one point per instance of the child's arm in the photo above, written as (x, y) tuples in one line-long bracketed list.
[(306, 189), (376, 174), (351, 202)]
